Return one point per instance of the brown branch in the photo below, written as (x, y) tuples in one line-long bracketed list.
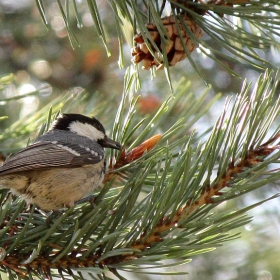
[(15, 263), (253, 157)]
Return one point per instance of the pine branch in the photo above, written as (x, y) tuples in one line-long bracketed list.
[(161, 205), (207, 196), (166, 32)]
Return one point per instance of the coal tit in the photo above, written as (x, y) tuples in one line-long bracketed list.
[(61, 166)]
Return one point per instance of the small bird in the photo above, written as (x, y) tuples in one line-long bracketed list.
[(62, 166)]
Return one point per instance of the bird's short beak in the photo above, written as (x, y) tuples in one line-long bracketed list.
[(109, 143)]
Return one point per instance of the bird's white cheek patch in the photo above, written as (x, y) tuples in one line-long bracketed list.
[(87, 130)]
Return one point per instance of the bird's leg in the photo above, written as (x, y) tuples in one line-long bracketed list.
[(51, 215), (90, 199)]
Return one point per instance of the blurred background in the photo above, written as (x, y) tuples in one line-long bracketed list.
[(44, 60)]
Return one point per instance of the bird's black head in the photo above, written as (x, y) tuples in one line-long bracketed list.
[(85, 126)]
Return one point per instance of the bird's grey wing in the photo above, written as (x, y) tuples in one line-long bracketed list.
[(42, 155)]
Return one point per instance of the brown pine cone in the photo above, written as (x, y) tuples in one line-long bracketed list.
[(174, 47)]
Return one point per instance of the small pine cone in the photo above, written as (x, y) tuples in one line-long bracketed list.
[(174, 47)]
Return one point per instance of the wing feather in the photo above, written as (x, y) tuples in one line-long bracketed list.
[(42, 155)]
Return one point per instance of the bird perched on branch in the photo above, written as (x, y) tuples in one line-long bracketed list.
[(62, 166)]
